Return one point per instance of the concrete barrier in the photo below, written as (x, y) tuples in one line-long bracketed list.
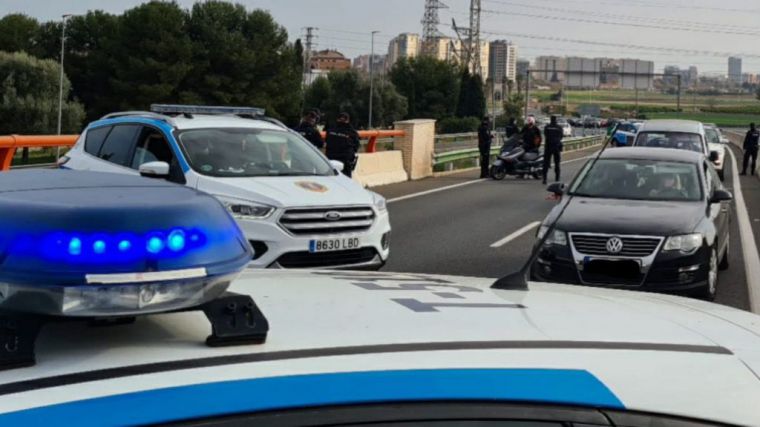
[(380, 168)]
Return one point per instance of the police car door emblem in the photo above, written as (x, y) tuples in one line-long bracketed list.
[(333, 216), (312, 186), (614, 245)]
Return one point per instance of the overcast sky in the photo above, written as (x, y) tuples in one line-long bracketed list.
[(712, 28)]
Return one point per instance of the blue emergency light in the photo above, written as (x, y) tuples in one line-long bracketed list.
[(89, 244), (205, 109)]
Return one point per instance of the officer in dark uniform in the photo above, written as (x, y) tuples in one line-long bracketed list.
[(531, 136), (308, 129), (485, 137), (553, 136), (343, 143), (511, 129), (750, 148)]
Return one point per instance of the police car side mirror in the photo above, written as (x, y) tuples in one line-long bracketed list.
[(558, 188), (337, 165), (154, 169), (714, 156)]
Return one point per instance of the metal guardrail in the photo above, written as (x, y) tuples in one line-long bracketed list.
[(571, 144)]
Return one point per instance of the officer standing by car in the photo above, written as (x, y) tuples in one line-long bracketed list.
[(485, 137), (343, 143), (531, 136), (751, 141), (553, 135), (308, 129)]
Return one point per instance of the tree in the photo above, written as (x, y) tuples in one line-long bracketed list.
[(348, 91), (513, 107), (18, 33), (430, 86), (472, 99), (29, 97)]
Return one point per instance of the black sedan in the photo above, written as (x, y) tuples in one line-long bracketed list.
[(652, 220)]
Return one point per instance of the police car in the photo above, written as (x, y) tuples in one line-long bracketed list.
[(295, 207), (380, 349)]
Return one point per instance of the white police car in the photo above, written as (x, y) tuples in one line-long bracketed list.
[(352, 348), (294, 206)]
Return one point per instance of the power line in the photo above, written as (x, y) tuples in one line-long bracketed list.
[(645, 4)]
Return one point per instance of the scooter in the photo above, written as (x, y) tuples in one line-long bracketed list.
[(509, 162)]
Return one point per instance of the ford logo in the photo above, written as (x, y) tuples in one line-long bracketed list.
[(614, 245), (333, 216)]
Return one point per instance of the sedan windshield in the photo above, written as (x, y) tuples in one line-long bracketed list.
[(677, 140), (639, 180), (227, 152)]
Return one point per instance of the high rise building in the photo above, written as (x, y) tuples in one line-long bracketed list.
[(361, 63), (693, 76), (550, 68), (636, 74), (586, 73), (522, 68), (735, 69), (406, 45), (502, 61)]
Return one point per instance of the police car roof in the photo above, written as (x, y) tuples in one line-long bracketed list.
[(645, 352), (195, 121)]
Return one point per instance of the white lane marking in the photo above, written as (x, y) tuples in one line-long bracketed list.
[(749, 247), (516, 234), (461, 184)]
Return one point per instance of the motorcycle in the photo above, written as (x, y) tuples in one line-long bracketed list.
[(513, 160)]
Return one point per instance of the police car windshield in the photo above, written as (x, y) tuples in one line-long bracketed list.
[(231, 152), (677, 140), (639, 180)]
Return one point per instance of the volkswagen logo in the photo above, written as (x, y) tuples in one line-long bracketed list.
[(333, 216), (614, 245)]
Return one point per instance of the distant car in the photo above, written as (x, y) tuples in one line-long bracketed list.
[(591, 122), (652, 220), (716, 146), (567, 130), (626, 132), (679, 134)]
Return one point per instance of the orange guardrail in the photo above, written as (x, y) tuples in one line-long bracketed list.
[(372, 135), (10, 143)]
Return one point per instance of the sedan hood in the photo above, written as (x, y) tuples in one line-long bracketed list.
[(631, 216), (290, 191)]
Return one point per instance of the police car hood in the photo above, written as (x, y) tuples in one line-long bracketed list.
[(653, 353), (287, 191)]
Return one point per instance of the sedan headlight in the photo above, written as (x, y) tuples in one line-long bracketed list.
[(687, 243), (379, 201), (558, 237), (244, 209)]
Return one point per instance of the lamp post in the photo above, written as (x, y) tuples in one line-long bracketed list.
[(65, 19), (371, 78)]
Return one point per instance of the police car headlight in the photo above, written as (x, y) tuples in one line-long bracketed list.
[(687, 243), (379, 201), (243, 209)]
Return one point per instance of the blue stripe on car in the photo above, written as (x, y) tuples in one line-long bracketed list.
[(564, 387)]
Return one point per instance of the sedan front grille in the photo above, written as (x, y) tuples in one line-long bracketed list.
[(318, 221), (634, 247)]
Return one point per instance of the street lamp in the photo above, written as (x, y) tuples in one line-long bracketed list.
[(60, 82), (371, 78)]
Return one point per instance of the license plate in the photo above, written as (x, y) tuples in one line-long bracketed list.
[(622, 269), (332, 245)]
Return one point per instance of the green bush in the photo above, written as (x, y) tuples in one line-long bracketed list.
[(458, 125)]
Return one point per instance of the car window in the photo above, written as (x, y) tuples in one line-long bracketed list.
[(251, 152), (677, 140), (151, 147), (119, 144), (639, 180), (93, 142), (712, 136)]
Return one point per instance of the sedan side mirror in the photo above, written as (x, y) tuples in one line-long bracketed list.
[(714, 156), (558, 188), (337, 165), (721, 196), (154, 170)]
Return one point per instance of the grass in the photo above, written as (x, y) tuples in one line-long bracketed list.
[(617, 97), (37, 156), (722, 120)]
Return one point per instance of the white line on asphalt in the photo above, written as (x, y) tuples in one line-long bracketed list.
[(516, 234), (461, 184), (749, 247)]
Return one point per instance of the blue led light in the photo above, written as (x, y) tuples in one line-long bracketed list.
[(75, 246), (176, 241), (124, 245), (99, 247), (154, 245)]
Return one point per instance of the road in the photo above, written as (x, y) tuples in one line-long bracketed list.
[(448, 225)]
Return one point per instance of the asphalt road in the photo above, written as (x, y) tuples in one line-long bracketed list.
[(450, 227)]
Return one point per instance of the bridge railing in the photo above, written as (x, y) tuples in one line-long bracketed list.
[(10, 143), (448, 158)]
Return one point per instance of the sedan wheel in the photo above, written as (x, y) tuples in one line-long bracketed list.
[(724, 262), (709, 291)]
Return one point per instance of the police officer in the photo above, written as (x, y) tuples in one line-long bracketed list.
[(750, 148), (343, 143), (485, 137), (531, 136), (510, 129), (308, 129), (553, 135)]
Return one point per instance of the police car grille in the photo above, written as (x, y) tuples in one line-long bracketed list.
[(632, 246), (316, 221)]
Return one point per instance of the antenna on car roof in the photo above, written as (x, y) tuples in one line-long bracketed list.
[(519, 280)]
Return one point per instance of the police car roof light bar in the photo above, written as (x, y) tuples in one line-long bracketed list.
[(204, 109)]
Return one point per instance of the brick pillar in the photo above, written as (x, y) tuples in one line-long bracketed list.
[(417, 146)]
